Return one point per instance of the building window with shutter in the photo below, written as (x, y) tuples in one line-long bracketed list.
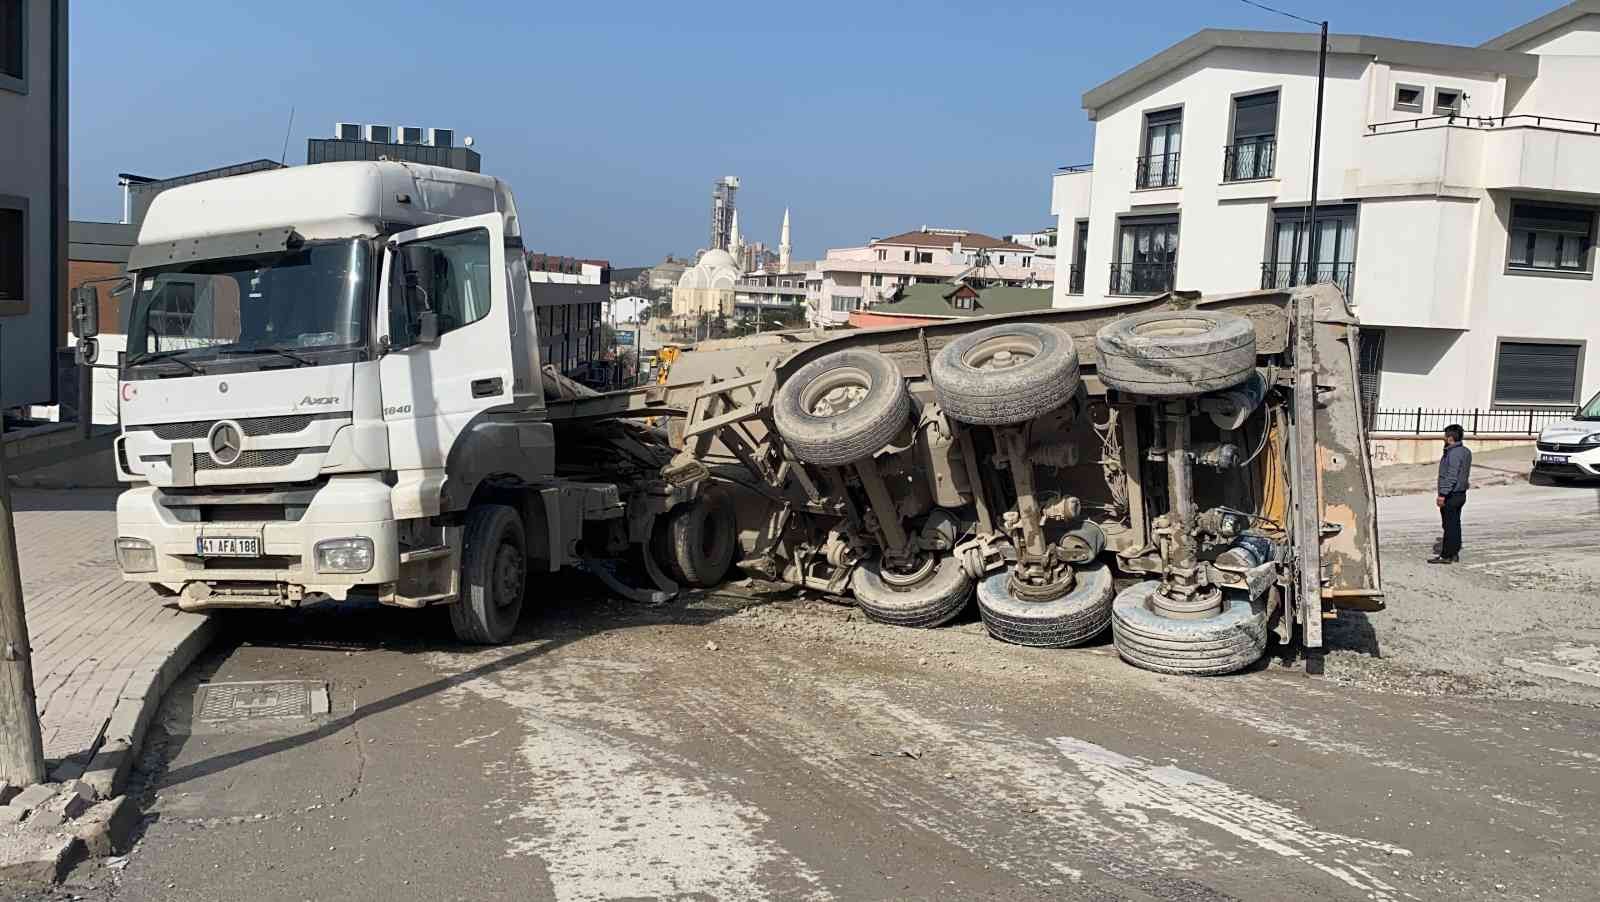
[(1537, 373), (13, 258), (14, 45), (1550, 238)]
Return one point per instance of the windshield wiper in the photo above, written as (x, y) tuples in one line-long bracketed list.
[(268, 349), (171, 355)]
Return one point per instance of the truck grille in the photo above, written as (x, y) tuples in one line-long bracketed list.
[(268, 457), (196, 429), (1563, 448)]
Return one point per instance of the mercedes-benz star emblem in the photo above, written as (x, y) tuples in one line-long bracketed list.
[(225, 442)]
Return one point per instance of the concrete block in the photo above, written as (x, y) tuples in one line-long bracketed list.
[(72, 799), (34, 796), (108, 827), (34, 861), (44, 820)]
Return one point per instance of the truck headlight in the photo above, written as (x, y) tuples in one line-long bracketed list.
[(135, 555), (344, 555)]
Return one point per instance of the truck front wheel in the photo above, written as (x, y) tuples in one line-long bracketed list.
[(494, 572)]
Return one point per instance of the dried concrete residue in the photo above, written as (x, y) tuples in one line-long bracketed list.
[(1129, 787), (612, 818)]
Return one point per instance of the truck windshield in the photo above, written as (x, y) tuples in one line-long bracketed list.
[(1590, 411), (286, 304)]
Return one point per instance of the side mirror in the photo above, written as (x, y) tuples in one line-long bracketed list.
[(86, 311), (88, 351), (427, 328)]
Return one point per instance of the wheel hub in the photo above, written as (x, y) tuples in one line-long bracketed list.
[(508, 576), (835, 393), (1003, 352), (1024, 589), (916, 570), (1180, 603)]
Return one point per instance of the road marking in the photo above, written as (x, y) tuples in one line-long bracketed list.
[(1129, 787)]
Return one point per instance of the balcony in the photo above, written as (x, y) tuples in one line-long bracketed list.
[(1248, 161), (1156, 171), (1461, 155), (1142, 278), (1075, 280), (1290, 275)]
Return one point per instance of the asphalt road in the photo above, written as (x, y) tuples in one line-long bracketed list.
[(765, 747)]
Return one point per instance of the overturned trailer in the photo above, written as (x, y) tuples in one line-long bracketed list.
[(1191, 471)]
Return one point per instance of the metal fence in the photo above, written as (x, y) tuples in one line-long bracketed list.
[(1498, 421)]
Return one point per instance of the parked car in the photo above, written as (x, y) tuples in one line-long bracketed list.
[(1570, 448)]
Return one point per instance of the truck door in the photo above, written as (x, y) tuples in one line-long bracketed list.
[(445, 311)]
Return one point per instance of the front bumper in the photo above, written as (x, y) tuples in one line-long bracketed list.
[(344, 507), (1580, 465)]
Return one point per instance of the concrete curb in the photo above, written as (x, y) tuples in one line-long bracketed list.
[(107, 771)]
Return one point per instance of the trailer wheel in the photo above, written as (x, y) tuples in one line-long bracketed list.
[(934, 601), (1072, 619), (841, 408), (702, 538), (1232, 640), (1006, 374), (1176, 353), (494, 572)]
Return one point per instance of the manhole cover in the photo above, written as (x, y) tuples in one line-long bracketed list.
[(262, 699)]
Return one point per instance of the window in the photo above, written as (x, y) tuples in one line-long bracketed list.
[(1147, 255), (1002, 260), (13, 236), (843, 303), (883, 254), (448, 275), (13, 44), (1527, 372), (410, 134), (1163, 135), (1408, 98), (381, 134), (1446, 102), (1289, 263), (877, 280), (1252, 152), (1027, 261), (924, 256), (964, 302), (1550, 238), (1369, 371), (907, 256), (1080, 251)]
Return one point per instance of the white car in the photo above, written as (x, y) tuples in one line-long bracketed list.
[(1570, 448)]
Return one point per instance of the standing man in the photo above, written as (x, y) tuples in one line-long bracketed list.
[(1455, 468)]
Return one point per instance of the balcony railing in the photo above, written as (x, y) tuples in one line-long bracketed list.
[(1249, 160), (1291, 275), (1485, 122), (1502, 421), (1075, 280), (1156, 171), (1141, 278)]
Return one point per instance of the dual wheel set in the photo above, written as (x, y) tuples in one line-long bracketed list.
[(840, 411)]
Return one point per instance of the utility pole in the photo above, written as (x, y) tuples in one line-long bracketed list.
[(21, 741), (1316, 160)]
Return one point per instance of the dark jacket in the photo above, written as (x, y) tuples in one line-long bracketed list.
[(1455, 468)]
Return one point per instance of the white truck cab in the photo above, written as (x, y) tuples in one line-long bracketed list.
[(329, 369)]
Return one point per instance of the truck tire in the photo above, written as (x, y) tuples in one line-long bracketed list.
[(1230, 641), (703, 538), (841, 408), (1176, 353), (1072, 619), (494, 573), (933, 602), (1006, 374)]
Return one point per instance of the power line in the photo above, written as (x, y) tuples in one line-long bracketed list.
[(1279, 12)]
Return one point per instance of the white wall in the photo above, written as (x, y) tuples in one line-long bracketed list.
[(28, 342), (1580, 36)]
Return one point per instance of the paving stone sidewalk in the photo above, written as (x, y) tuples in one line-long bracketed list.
[(104, 651)]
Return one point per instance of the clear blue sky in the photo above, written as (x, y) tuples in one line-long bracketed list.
[(611, 119)]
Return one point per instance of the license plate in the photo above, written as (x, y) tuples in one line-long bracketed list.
[(228, 546), (1552, 458)]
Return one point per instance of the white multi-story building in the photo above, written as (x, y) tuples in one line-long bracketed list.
[(1043, 241), (850, 278), (1457, 202), (33, 196)]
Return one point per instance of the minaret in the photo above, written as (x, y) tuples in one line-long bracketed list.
[(783, 243), (735, 243)]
